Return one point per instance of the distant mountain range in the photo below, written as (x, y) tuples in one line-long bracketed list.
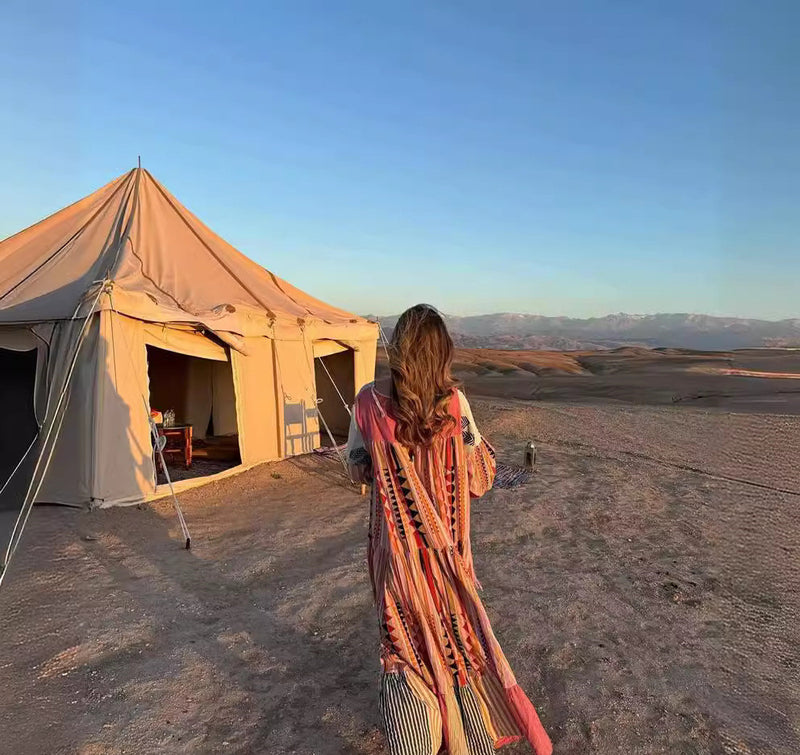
[(687, 331)]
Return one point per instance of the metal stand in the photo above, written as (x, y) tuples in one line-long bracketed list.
[(530, 455)]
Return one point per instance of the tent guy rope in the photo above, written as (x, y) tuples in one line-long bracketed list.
[(336, 387), (55, 423), (318, 401), (384, 340), (20, 462)]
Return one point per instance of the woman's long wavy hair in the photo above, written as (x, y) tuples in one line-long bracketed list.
[(420, 360)]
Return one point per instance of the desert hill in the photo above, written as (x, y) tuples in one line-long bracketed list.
[(745, 380), (685, 331)]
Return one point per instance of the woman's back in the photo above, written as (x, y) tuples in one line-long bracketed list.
[(414, 439), (436, 480)]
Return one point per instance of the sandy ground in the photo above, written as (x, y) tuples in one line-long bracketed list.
[(645, 586)]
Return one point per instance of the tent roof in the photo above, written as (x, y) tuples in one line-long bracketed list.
[(165, 264)]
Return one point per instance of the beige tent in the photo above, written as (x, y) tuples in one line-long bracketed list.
[(126, 294)]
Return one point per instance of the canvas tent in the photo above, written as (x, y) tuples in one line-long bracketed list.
[(91, 295)]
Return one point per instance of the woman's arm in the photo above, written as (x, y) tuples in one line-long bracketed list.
[(481, 464), (359, 463)]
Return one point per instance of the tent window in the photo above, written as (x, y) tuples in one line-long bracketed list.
[(201, 394), (341, 372), (18, 426)]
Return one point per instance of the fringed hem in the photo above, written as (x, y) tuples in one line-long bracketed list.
[(528, 721)]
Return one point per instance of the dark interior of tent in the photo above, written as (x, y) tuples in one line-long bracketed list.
[(332, 372), (18, 426), (203, 438)]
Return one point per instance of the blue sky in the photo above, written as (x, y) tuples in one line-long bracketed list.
[(570, 158)]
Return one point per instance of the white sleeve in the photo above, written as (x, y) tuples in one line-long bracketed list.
[(469, 430), (356, 449)]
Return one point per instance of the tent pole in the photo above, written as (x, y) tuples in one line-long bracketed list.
[(159, 446)]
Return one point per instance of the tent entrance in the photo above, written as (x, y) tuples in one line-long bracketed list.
[(334, 375), (201, 393), (18, 426)]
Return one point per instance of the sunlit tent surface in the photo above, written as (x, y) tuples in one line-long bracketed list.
[(90, 294)]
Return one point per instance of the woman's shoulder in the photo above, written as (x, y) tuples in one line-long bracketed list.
[(370, 390), (380, 386), (367, 387), (464, 407), (365, 392)]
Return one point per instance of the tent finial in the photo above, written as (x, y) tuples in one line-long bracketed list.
[(140, 162)]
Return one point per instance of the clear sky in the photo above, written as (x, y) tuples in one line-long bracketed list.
[(568, 157)]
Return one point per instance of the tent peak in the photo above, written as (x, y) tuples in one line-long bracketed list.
[(169, 265)]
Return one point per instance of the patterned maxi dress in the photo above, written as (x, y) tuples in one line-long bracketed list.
[(445, 683)]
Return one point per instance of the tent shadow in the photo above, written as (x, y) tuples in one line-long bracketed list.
[(298, 438), (299, 647)]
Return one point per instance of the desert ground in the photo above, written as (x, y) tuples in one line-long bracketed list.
[(767, 381), (645, 583)]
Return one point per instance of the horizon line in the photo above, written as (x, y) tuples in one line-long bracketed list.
[(608, 315)]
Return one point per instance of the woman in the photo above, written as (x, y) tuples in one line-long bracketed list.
[(445, 683)]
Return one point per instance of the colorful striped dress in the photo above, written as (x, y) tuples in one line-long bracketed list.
[(446, 685)]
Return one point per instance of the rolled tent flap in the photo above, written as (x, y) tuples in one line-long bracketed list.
[(183, 341), (326, 346), (237, 343), (18, 339)]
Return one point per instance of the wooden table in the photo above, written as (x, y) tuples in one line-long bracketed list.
[(183, 435)]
